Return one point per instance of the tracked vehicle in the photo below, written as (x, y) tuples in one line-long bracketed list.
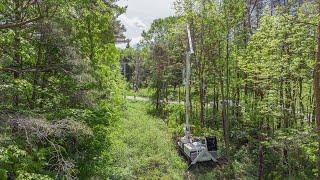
[(196, 149)]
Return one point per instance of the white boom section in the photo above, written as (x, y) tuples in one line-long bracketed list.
[(190, 40), (188, 75), (194, 148)]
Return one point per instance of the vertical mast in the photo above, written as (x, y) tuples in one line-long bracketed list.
[(188, 75)]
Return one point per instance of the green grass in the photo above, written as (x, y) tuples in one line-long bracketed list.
[(142, 147), (143, 92), (173, 94)]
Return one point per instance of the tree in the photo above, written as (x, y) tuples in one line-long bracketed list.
[(316, 84), (253, 62), (60, 88)]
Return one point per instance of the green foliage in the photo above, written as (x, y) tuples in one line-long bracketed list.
[(60, 88), (252, 75), (31, 176), (62, 110), (3, 174), (143, 92)]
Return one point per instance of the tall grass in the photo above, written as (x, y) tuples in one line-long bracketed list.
[(142, 147)]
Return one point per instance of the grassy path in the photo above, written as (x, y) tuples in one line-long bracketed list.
[(142, 148)]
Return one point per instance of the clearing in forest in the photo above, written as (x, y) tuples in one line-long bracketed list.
[(142, 147)]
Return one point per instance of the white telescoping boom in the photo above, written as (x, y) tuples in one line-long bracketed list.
[(194, 148)]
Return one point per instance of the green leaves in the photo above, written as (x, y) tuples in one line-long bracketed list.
[(22, 175), (63, 65), (11, 154)]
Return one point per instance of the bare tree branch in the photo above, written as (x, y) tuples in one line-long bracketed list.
[(20, 24), (63, 67)]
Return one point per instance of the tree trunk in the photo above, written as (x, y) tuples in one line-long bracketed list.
[(202, 102), (17, 46), (225, 123), (261, 162), (316, 85)]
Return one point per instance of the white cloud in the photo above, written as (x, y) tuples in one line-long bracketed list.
[(141, 13), (136, 40), (134, 22)]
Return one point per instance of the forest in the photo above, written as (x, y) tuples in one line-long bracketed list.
[(75, 106)]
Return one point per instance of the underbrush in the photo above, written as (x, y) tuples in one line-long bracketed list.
[(68, 144), (244, 148)]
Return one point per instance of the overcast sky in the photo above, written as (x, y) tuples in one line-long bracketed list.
[(141, 13)]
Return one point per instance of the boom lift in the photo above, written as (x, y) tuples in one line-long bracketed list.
[(196, 149)]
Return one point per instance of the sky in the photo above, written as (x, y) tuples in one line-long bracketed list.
[(141, 13)]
